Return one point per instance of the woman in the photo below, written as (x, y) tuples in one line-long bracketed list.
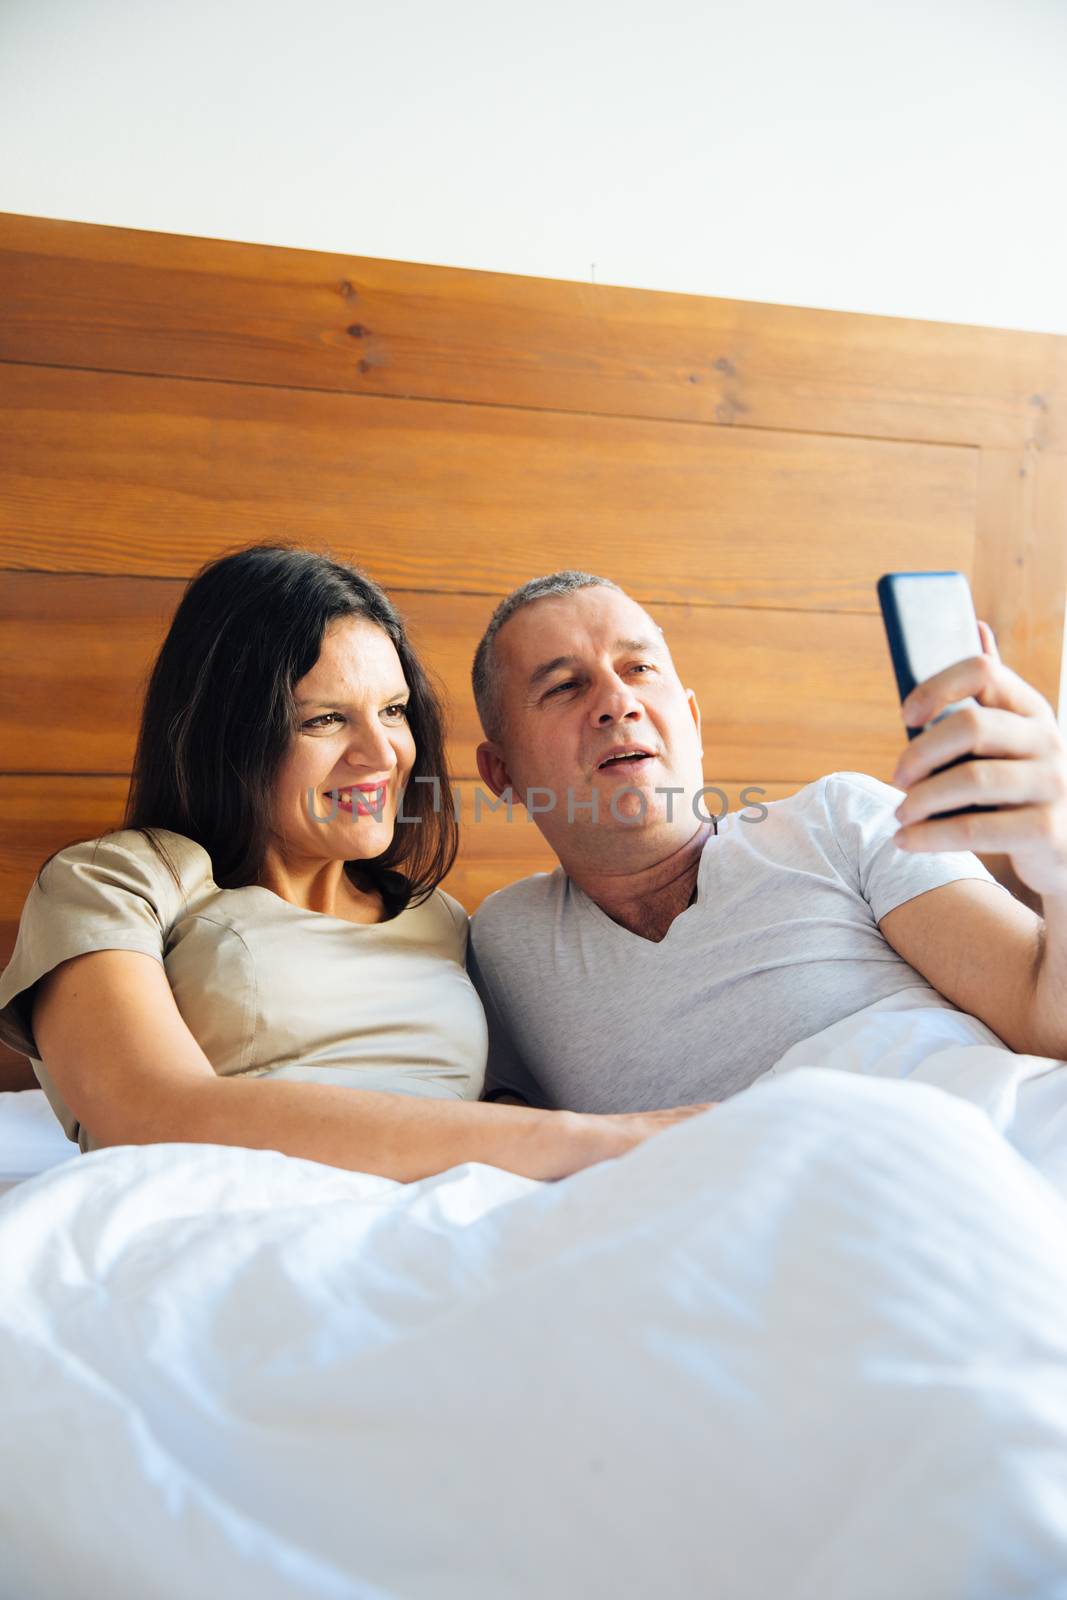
[(261, 955)]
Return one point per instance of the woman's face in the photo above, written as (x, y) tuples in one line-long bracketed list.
[(353, 748)]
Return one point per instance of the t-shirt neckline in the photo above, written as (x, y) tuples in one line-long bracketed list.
[(589, 905)]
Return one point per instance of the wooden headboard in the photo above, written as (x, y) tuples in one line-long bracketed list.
[(745, 470)]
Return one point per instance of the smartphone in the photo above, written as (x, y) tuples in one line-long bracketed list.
[(930, 624)]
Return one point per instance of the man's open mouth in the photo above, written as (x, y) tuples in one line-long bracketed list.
[(630, 755)]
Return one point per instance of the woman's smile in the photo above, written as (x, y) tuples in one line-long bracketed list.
[(369, 798)]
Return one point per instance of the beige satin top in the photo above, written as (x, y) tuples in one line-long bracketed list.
[(264, 986)]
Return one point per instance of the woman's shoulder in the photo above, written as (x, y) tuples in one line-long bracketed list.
[(444, 919), (456, 911), (165, 867)]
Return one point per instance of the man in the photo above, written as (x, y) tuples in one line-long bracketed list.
[(673, 958)]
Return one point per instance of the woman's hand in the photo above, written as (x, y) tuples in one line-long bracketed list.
[(618, 1132)]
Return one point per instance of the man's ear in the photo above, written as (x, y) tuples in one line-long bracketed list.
[(492, 768), (694, 711)]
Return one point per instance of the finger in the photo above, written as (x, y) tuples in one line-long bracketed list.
[(984, 783), (973, 730), (989, 640), (988, 680), (1004, 832)]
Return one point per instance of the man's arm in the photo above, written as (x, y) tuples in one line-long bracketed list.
[(982, 949), (1001, 868), (989, 955)]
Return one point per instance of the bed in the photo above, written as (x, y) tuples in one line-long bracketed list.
[(693, 1371), (31, 1139)]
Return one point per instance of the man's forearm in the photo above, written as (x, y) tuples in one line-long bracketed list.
[(1050, 984)]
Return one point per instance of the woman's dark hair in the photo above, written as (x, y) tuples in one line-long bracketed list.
[(219, 717)]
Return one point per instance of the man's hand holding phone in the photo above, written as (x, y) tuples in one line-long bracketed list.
[(1018, 773)]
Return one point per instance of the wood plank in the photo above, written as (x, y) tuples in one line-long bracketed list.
[(39, 817), (1020, 576), (73, 294), (75, 654), (782, 692), (16, 1073), (153, 476), (1042, 571)]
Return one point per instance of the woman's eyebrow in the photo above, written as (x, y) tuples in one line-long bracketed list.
[(343, 705)]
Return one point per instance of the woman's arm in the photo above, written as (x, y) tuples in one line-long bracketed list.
[(125, 1063)]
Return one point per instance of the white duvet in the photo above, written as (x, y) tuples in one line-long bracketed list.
[(811, 1345)]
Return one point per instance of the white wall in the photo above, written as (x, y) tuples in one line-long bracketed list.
[(897, 156)]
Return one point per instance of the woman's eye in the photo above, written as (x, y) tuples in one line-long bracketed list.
[(395, 713)]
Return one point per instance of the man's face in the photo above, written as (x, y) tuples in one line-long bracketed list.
[(593, 705)]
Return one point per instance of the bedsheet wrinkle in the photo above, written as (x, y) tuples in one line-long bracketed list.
[(808, 1345)]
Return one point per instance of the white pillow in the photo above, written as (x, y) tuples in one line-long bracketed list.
[(31, 1140)]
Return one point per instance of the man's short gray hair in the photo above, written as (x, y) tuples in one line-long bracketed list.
[(485, 674)]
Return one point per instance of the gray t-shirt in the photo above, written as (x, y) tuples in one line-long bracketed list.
[(781, 941)]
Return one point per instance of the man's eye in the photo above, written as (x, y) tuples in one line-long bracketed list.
[(558, 688), (642, 666)]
